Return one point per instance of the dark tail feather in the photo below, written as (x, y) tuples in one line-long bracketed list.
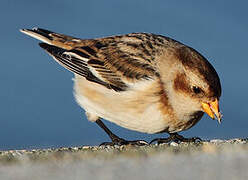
[(38, 33), (42, 32)]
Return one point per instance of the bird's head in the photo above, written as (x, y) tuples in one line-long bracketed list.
[(195, 85)]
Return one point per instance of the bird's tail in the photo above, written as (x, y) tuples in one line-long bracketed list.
[(52, 38)]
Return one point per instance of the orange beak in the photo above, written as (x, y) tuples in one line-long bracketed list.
[(212, 109)]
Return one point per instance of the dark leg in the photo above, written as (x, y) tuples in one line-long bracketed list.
[(177, 138), (117, 140)]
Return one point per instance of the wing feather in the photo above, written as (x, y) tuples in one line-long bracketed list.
[(116, 62), (78, 66)]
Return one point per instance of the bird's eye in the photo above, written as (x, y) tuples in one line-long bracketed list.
[(196, 89)]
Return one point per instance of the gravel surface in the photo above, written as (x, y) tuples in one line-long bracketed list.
[(215, 159)]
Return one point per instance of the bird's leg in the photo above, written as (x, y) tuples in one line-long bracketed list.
[(117, 140), (176, 138)]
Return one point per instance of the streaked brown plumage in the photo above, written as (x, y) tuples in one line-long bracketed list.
[(144, 82)]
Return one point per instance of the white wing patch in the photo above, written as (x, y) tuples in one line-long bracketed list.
[(72, 54)]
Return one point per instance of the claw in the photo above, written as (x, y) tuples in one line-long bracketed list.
[(177, 138), (121, 142)]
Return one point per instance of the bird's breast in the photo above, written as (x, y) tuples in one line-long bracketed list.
[(137, 109), (144, 108)]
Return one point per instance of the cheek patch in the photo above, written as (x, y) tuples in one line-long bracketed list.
[(181, 84)]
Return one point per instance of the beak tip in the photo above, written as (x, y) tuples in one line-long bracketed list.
[(212, 109), (219, 118)]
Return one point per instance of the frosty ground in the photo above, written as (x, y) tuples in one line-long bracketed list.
[(215, 159)]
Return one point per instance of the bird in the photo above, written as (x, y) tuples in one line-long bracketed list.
[(143, 82)]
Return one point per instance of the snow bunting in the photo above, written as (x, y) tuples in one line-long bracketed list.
[(140, 81)]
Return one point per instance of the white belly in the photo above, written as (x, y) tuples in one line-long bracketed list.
[(135, 109)]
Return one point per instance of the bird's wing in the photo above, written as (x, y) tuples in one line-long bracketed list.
[(116, 62)]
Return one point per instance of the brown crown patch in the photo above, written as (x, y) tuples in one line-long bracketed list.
[(194, 61)]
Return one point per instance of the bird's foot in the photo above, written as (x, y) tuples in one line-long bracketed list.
[(119, 141), (174, 137)]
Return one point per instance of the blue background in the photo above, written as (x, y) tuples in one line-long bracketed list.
[(37, 108)]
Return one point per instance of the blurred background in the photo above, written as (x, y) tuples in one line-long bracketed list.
[(37, 107)]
